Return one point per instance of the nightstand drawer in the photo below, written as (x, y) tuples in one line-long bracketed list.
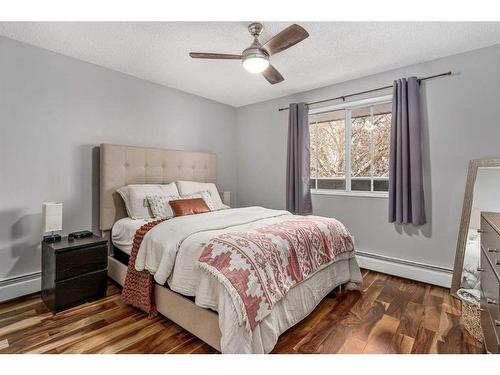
[(79, 261), (80, 288)]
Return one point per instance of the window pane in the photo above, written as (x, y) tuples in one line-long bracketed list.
[(361, 184), (331, 150), (332, 183), (381, 185), (360, 146), (382, 138)]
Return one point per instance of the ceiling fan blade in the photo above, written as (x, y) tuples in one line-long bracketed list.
[(285, 39), (272, 75), (218, 56)]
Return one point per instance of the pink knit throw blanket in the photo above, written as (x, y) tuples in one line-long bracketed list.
[(258, 267), (138, 289)]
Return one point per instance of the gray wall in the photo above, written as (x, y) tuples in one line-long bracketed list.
[(462, 121), (55, 111)]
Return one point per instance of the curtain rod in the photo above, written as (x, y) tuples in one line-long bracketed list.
[(343, 97)]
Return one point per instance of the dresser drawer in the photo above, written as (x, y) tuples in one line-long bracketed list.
[(80, 261), (495, 260), (490, 291), (490, 239), (490, 333), (80, 288), (490, 286)]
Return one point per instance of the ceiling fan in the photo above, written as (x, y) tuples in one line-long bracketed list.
[(256, 57)]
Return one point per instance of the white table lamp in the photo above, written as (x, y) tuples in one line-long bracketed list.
[(52, 220)]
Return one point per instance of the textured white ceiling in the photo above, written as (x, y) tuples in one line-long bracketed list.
[(334, 51)]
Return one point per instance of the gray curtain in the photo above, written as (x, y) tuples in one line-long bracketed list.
[(298, 193), (406, 192)]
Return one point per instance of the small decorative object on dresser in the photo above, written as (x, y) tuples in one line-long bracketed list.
[(74, 271), (490, 280)]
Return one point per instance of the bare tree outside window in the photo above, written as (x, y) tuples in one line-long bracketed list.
[(369, 148)]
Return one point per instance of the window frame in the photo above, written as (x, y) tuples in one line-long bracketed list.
[(348, 107)]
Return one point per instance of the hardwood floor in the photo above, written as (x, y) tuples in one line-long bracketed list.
[(390, 315)]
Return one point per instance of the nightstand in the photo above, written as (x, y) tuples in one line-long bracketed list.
[(74, 271)]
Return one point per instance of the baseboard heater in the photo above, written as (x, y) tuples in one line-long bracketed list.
[(18, 286), (18, 279), (404, 262)]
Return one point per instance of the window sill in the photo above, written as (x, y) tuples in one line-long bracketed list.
[(363, 194)]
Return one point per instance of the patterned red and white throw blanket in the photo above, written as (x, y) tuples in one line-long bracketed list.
[(138, 289), (258, 267)]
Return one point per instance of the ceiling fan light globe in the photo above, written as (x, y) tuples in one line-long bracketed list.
[(255, 64)]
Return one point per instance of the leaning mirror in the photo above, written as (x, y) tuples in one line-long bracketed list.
[(482, 195)]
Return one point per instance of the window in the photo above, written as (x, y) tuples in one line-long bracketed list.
[(350, 146)]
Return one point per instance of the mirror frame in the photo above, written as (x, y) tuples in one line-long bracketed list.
[(474, 165)]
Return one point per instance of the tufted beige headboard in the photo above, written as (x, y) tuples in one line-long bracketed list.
[(124, 165)]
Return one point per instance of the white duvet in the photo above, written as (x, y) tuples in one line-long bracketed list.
[(170, 252)]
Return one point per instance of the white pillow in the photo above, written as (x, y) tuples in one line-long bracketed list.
[(160, 204), (135, 195), (205, 195), (190, 187)]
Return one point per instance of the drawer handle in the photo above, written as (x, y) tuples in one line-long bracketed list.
[(492, 250), (497, 262), (491, 301), (481, 231), (480, 269), (497, 323)]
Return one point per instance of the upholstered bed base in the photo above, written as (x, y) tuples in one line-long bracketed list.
[(123, 165), (202, 323)]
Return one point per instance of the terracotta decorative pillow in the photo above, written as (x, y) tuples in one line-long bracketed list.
[(160, 206), (183, 207), (190, 187), (201, 194)]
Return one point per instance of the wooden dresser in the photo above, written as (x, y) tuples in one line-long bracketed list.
[(490, 280)]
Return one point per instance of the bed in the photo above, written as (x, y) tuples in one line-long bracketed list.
[(185, 294)]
